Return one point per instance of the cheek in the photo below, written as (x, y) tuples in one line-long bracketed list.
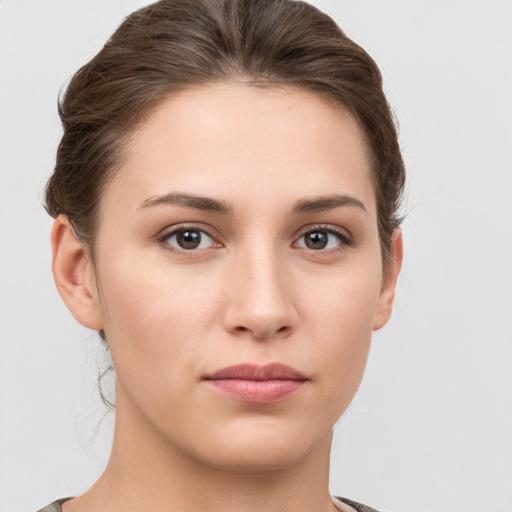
[(341, 314), (344, 301), (154, 315), (163, 323)]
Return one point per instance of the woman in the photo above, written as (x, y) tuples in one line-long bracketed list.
[(226, 200)]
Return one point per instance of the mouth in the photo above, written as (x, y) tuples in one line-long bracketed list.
[(257, 384)]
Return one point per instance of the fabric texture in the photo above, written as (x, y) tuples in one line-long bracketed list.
[(56, 505), (357, 506)]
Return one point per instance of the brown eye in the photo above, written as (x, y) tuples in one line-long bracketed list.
[(189, 239), (316, 239), (321, 239)]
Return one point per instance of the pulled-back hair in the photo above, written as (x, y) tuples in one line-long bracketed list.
[(177, 44)]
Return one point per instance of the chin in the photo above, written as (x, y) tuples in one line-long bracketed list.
[(258, 451), (254, 460)]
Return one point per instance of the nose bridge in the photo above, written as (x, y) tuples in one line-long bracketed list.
[(261, 298)]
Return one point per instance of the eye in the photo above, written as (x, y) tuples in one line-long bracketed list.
[(319, 239), (189, 239)]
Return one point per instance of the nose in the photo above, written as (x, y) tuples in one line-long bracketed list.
[(260, 297)]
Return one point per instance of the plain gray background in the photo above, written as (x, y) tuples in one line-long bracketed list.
[(431, 427)]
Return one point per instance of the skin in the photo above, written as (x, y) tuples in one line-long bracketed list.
[(253, 292)]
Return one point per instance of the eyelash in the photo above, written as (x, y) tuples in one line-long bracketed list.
[(345, 240), (165, 237)]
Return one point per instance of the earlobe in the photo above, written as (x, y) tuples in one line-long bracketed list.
[(387, 293), (73, 273)]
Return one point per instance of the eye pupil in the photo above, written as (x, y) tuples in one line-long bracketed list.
[(188, 239), (316, 239)]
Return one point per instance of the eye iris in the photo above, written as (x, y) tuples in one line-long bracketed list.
[(316, 239), (188, 239)]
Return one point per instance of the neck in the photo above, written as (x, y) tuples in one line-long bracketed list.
[(146, 472)]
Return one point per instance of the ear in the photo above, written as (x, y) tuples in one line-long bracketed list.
[(387, 292), (74, 275)]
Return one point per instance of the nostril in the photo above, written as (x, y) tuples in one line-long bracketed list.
[(262, 333), (260, 322)]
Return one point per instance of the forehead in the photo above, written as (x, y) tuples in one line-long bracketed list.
[(245, 144)]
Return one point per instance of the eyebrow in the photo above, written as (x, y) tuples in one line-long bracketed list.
[(190, 201), (305, 205), (326, 203)]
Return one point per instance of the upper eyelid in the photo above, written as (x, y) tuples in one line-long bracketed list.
[(323, 227), (345, 240), (167, 233), (199, 226), (215, 235)]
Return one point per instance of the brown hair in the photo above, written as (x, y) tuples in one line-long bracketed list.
[(175, 44)]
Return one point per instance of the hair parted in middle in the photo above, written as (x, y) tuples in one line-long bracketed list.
[(173, 45)]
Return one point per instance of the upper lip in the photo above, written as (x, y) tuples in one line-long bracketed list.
[(272, 371)]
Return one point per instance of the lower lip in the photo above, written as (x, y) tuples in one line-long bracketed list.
[(256, 391)]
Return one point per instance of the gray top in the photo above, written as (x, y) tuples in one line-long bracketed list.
[(56, 505)]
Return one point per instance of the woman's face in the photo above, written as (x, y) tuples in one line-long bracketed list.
[(241, 229)]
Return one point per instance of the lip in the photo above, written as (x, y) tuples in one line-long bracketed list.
[(257, 384)]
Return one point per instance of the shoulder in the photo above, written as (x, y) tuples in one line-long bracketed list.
[(55, 506), (358, 507)]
